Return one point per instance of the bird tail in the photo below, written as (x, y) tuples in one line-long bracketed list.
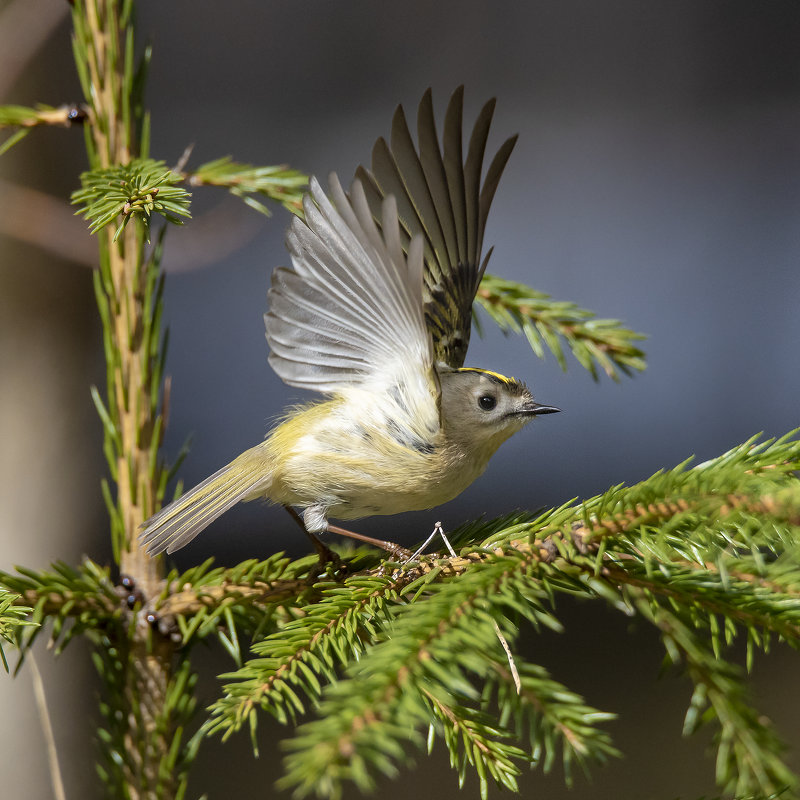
[(183, 519)]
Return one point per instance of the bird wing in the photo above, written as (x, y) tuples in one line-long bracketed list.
[(349, 310), (439, 196)]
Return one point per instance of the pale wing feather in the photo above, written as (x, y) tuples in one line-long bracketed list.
[(349, 311)]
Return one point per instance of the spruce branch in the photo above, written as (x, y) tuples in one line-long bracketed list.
[(279, 183), (25, 119), (473, 740), (135, 190), (748, 750), (602, 343), (203, 588), (708, 597), (234, 604), (143, 750), (430, 656), (71, 600), (304, 653), (13, 617), (545, 712), (714, 542)]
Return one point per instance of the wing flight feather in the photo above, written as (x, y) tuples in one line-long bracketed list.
[(440, 197), (349, 310)]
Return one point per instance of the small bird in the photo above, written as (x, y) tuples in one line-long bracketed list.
[(375, 313)]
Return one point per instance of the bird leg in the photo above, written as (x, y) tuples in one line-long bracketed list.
[(326, 554), (393, 549)]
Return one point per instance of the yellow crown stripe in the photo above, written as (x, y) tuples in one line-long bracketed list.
[(496, 375)]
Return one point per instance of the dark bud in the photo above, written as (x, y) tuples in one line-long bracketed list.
[(134, 597), (76, 115)]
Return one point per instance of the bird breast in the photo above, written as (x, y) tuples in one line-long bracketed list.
[(356, 460)]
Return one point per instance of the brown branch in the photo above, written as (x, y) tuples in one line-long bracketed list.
[(64, 116), (664, 510), (579, 538), (769, 622), (54, 602), (456, 723), (189, 599)]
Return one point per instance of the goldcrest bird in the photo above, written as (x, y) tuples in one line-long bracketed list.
[(375, 313)]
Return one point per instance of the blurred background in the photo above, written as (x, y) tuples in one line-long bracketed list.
[(656, 180)]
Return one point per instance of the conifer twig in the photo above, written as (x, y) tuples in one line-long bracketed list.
[(25, 117), (279, 183), (602, 343), (14, 614)]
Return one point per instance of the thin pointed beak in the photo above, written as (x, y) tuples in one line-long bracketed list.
[(538, 408), (534, 409)]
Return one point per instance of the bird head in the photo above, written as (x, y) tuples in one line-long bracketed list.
[(481, 409)]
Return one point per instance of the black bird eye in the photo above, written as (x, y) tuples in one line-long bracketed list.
[(487, 402)]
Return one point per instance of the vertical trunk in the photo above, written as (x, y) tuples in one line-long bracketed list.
[(138, 660)]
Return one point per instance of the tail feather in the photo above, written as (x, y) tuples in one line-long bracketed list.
[(183, 519)]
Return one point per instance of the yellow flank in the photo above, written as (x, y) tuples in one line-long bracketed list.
[(352, 458)]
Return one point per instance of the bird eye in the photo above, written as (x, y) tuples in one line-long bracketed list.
[(487, 402)]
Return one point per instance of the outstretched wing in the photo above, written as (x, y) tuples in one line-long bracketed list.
[(439, 195), (349, 310)]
